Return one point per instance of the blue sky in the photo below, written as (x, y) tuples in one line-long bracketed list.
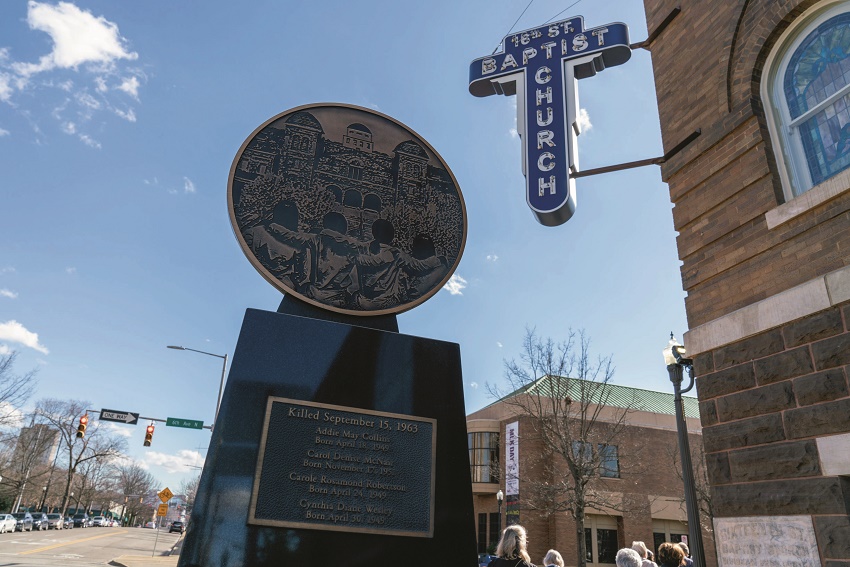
[(118, 125)]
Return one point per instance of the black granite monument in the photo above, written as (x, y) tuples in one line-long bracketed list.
[(339, 440)]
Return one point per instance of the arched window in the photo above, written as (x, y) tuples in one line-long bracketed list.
[(808, 95)]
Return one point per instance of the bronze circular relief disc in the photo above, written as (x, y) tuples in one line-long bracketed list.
[(346, 209)]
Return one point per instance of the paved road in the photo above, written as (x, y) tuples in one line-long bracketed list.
[(80, 547)]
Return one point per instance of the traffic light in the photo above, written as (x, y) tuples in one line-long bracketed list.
[(149, 435), (81, 428)]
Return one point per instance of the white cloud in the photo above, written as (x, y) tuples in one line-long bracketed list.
[(122, 430), (70, 270), (4, 132), (8, 293), (174, 463), (5, 87), (188, 186), (100, 84), (4, 350), (7, 270), (492, 257), (11, 415), (79, 38), (130, 86), (473, 385), (69, 128), (498, 344), (87, 101), (129, 116), (87, 140), (583, 120), (17, 333), (455, 285)]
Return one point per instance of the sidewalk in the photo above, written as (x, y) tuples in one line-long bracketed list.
[(167, 559)]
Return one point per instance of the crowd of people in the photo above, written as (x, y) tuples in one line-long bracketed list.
[(512, 551)]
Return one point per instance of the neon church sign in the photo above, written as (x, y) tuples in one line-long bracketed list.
[(541, 67)]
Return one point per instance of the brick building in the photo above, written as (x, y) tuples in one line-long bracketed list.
[(762, 208), (638, 474)]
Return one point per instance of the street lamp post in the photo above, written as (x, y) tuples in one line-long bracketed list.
[(674, 356), (499, 497), (221, 384)]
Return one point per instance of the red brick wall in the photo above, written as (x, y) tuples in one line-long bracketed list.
[(646, 468), (723, 184)]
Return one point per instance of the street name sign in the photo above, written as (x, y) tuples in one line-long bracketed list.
[(162, 510), (541, 66), (180, 422), (126, 417), (165, 495)]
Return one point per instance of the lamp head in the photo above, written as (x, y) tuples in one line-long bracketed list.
[(500, 496), (674, 353)]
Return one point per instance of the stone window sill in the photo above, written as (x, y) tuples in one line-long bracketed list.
[(817, 195)]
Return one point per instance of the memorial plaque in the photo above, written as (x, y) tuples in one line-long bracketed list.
[(346, 209), (783, 541), (329, 467)]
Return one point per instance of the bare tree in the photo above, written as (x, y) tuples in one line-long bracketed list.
[(15, 389), (134, 483), (189, 489), (96, 444), (565, 398), (702, 487), (27, 461)]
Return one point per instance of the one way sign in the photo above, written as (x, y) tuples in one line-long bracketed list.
[(120, 416)]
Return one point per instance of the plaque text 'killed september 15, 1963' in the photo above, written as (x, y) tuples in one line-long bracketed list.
[(345, 469)]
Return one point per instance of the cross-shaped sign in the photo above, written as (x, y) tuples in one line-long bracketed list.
[(541, 66)]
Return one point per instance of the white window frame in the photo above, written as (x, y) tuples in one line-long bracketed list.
[(791, 159), (595, 522)]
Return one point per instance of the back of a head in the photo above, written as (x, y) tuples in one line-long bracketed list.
[(512, 545), (628, 557), (684, 547), (640, 547), (553, 558), (670, 555)]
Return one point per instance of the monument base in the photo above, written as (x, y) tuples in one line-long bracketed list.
[(335, 444)]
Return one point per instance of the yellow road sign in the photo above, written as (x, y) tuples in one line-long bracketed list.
[(165, 495), (162, 510)]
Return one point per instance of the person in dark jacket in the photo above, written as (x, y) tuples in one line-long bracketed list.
[(512, 549)]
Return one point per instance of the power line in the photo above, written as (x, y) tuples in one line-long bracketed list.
[(561, 12), (517, 20)]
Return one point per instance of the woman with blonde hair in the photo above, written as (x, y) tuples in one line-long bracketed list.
[(553, 559), (511, 550)]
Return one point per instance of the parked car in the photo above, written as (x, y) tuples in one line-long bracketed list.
[(484, 559), (24, 522), (99, 521), (67, 523), (55, 522), (81, 520), (7, 523), (177, 526), (39, 521), (151, 525)]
